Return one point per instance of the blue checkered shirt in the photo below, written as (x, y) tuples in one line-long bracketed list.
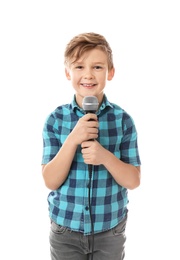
[(68, 205)]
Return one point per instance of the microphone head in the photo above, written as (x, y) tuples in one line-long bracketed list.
[(90, 104)]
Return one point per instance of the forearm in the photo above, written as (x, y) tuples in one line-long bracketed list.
[(125, 174), (56, 171)]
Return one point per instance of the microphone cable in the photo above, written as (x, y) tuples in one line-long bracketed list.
[(90, 209)]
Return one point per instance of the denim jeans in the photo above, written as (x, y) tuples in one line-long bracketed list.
[(69, 245)]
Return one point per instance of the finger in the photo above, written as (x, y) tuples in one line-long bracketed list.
[(93, 124), (90, 116), (85, 144)]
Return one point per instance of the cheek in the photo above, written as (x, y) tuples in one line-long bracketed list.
[(75, 77), (103, 78), (74, 80)]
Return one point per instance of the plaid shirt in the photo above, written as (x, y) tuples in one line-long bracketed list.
[(68, 205)]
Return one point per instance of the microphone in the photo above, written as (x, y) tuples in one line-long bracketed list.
[(90, 105)]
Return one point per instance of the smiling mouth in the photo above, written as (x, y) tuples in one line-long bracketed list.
[(87, 85)]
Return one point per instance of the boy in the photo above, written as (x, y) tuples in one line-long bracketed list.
[(89, 215)]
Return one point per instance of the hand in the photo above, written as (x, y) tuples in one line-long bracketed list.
[(85, 129), (93, 152)]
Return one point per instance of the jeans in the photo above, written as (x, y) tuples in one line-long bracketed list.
[(69, 245)]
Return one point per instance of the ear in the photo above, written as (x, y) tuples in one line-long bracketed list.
[(111, 74), (67, 74)]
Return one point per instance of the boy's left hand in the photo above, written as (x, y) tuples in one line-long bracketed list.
[(93, 152)]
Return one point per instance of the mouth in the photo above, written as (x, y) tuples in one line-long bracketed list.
[(88, 85)]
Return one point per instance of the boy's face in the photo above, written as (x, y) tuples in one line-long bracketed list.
[(89, 75)]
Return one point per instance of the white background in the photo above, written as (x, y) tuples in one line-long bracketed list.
[(145, 38)]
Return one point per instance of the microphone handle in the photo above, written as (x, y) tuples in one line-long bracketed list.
[(90, 170), (90, 165)]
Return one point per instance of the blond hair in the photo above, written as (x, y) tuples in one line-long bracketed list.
[(85, 42)]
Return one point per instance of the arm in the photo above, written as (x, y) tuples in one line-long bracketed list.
[(56, 171), (125, 174)]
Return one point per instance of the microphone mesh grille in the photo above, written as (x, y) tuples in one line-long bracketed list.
[(90, 103)]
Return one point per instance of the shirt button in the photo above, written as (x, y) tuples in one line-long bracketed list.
[(86, 208)]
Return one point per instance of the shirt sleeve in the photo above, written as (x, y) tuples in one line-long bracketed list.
[(51, 140), (129, 145)]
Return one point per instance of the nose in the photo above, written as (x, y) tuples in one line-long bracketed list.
[(88, 74)]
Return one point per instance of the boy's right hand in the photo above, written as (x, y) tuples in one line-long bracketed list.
[(85, 129)]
